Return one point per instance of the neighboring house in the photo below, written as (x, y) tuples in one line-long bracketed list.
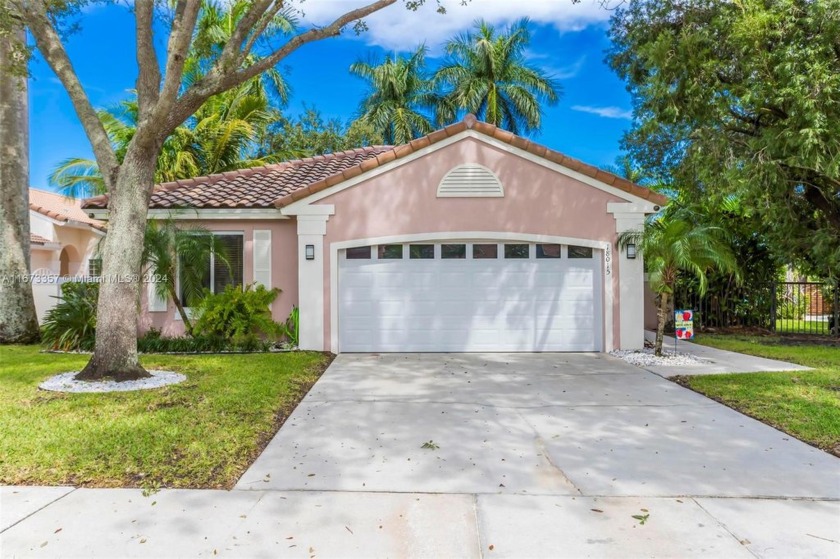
[(63, 245), (468, 239)]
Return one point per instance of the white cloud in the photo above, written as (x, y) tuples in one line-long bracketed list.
[(400, 29), (606, 112), (563, 72)]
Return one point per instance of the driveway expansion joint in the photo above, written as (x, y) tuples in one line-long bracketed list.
[(39, 509), (726, 528), (580, 493), (320, 402)]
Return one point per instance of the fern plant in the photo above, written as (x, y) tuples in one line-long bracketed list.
[(239, 315)]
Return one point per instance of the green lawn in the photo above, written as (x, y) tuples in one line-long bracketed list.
[(203, 432), (784, 325), (805, 404)]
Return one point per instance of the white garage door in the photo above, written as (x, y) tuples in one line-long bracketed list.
[(479, 296)]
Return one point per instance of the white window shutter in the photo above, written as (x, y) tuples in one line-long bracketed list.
[(156, 303), (262, 257)]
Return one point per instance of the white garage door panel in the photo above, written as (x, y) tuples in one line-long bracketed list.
[(470, 305)]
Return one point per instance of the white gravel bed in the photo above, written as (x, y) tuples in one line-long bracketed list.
[(65, 382), (646, 358)]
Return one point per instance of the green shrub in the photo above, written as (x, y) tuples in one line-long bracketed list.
[(241, 316), (153, 342), (71, 324)]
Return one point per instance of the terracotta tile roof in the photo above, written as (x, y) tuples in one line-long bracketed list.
[(257, 187), (281, 184), (38, 239), (470, 122), (60, 208)]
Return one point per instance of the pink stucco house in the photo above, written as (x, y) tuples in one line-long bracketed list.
[(63, 243), (468, 239)]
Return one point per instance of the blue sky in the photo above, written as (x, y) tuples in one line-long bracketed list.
[(568, 41)]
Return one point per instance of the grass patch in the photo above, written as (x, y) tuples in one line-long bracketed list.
[(202, 433), (805, 404), (818, 327)]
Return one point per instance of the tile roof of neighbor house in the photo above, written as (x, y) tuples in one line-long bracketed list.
[(281, 184), (38, 239), (60, 208)]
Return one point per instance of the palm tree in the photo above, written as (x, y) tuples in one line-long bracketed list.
[(399, 92), (218, 137), (487, 74), (168, 250), (675, 240)]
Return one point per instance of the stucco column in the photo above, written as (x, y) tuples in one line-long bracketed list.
[(311, 231), (631, 273)]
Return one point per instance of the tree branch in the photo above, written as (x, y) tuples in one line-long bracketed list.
[(232, 53), (817, 198), (177, 49), (49, 44), (260, 28), (148, 77), (316, 34), (220, 79)]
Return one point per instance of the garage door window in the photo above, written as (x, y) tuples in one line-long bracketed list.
[(516, 251), (580, 252), (358, 253), (421, 251), (548, 251), (390, 252), (453, 251), (485, 251)]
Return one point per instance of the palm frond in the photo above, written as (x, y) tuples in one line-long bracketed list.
[(676, 240), (78, 178)]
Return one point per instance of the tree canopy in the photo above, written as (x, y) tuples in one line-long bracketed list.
[(399, 91), (673, 241), (486, 74), (308, 134), (741, 98), (218, 137)]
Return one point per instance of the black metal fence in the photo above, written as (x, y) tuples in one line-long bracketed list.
[(800, 307), (803, 307)]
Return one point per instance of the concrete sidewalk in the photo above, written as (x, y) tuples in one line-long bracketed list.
[(716, 361), (108, 523)]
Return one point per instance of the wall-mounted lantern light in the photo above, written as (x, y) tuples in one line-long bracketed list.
[(310, 252), (631, 251)]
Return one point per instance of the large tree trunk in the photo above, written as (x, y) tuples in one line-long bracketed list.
[(18, 321), (115, 351), (661, 319)]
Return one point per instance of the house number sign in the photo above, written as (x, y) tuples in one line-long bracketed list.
[(608, 259)]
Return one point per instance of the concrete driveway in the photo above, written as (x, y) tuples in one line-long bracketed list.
[(547, 455), (528, 424)]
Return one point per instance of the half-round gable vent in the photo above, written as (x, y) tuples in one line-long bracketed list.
[(470, 181)]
